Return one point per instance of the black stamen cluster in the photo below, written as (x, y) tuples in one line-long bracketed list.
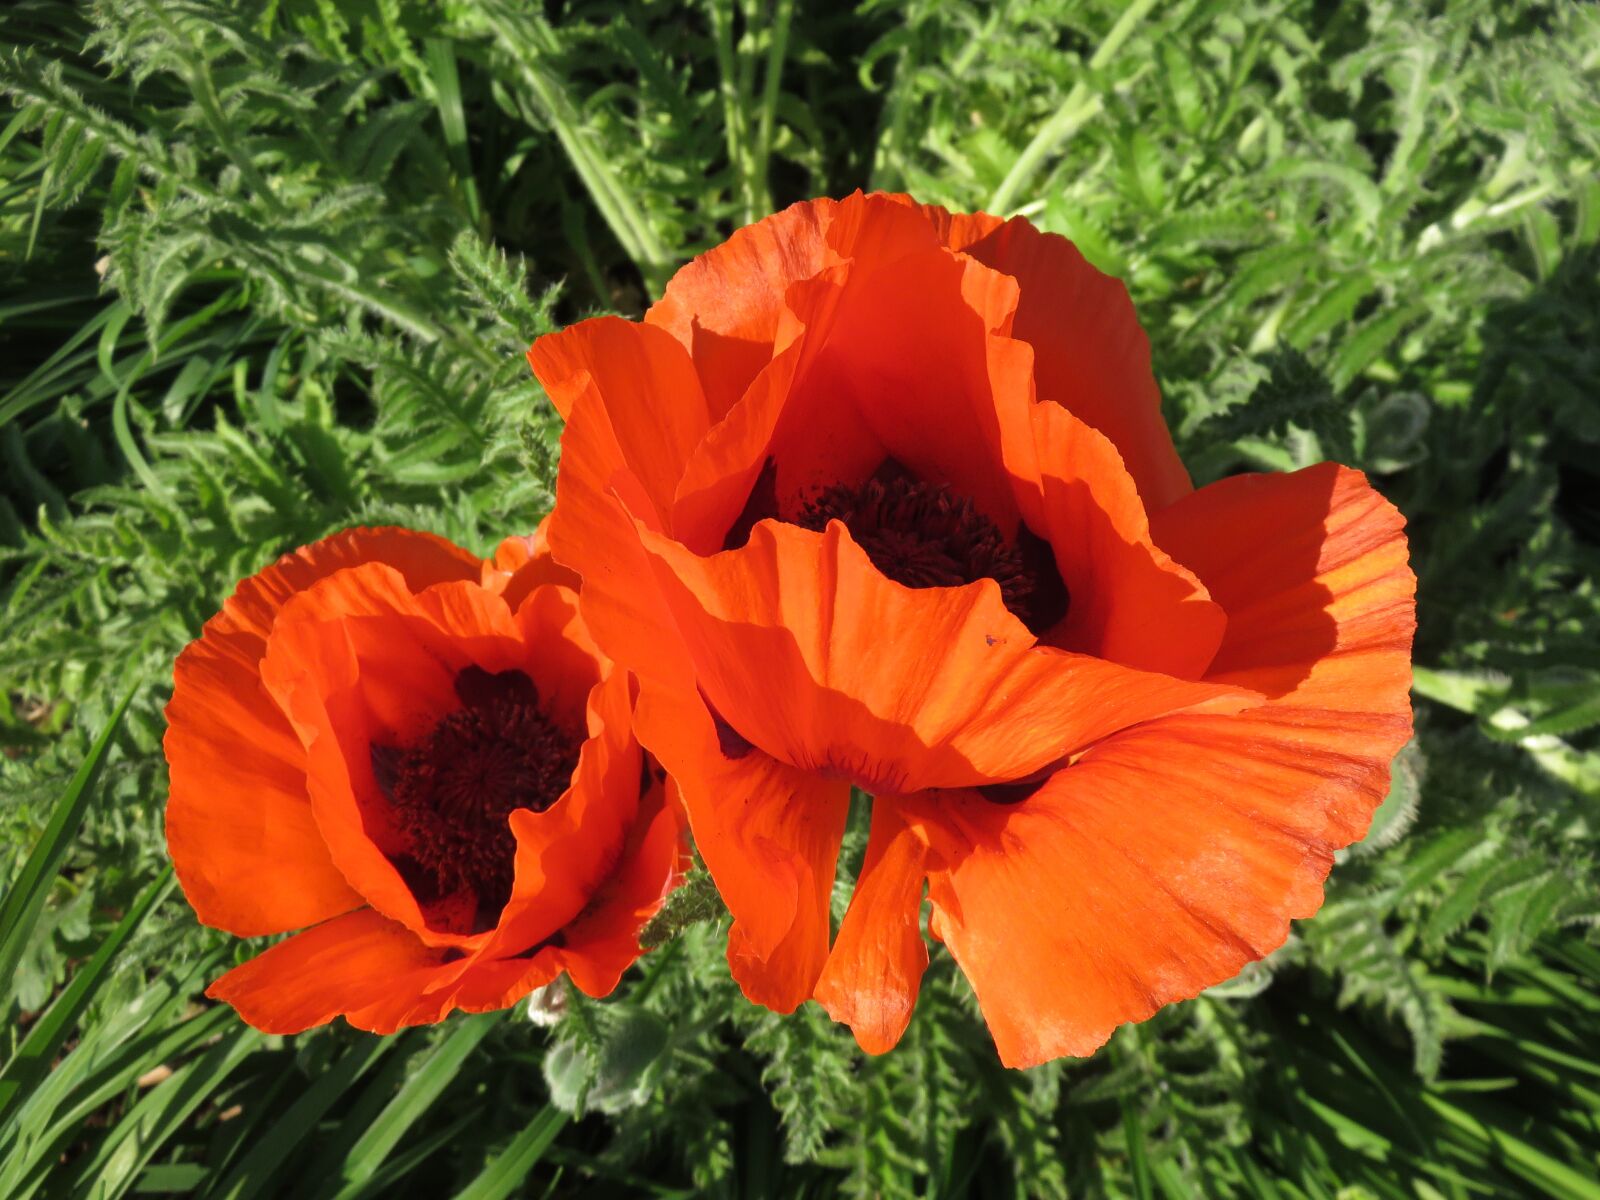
[(454, 791), (923, 535)]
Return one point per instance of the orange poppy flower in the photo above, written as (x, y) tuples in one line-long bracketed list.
[(423, 758), (878, 495)]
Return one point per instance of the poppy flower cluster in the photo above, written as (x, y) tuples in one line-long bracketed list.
[(876, 497)]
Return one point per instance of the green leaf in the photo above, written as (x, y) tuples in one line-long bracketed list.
[(25, 897), (503, 1175), (273, 1153), (38, 1050), (417, 1095), (164, 1111)]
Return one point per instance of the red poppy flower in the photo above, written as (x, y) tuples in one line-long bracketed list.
[(878, 495), (423, 758)]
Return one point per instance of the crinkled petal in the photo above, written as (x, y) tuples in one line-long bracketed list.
[(604, 940), (239, 822), (875, 968), (724, 307), (769, 836), (810, 653), (591, 532), (645, 382), (521, 564), (1171, 854), (1130, 602), (1090, 354), (358, 963), (566, 852), (903, 359), (422, 560), (357, 660)]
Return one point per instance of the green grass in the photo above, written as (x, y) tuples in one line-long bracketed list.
[(268, 270)]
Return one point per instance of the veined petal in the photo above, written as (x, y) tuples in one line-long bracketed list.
[(907, 351), (1171, 854), (724, 307), (1090, 354), (841, 385), (1333, 598), (769, 835), (1130, 602), (875, 968), (422, 560), (358, 963), (811, 654)]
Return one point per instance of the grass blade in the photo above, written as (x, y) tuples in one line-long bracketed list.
[(167, 1110), (24, 900), (273, 1152), (417, 1095), (33, 1058), (505, 1173)]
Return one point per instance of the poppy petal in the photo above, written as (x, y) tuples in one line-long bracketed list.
[(732, 308), (1090, 354), (908, 349), (422, 559), (960, 230), (724, 307), (1130, 602), (787, 639), (521, 564), (647, 385), (938, 388), (1171, 854), (567, 851), (1063, 931), (332, 666), (769, 836), (727, 306), (875, 968), (563, 661), (360, 962), (1314, 565), (604, 941), (591, 532), (239, 822)]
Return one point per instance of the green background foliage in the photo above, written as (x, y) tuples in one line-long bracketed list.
[(267, 270)]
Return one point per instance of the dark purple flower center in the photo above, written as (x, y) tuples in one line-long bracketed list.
[(454, 790), (923, 534)]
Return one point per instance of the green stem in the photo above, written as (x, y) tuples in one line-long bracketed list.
[(530, 46), (205, 94), (1076, 110), (721, 13), (777, 51)]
